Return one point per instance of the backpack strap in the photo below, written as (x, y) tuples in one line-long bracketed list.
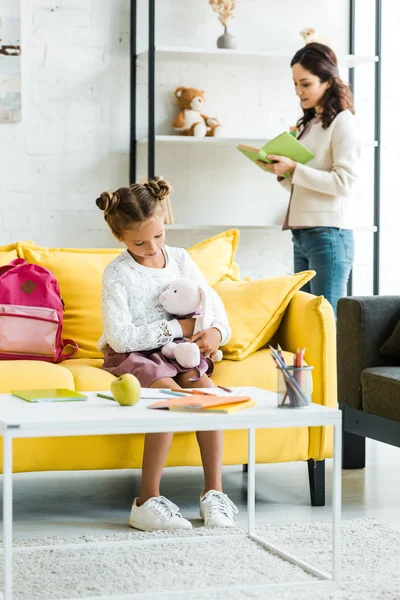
[(66, 343), (14, 263)]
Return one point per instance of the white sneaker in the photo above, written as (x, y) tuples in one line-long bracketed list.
[(217, 509), (157, 513)]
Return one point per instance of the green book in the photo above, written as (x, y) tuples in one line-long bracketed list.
[(283, 145), (56, 395)]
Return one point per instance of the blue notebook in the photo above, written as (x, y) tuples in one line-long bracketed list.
[(55, 395)]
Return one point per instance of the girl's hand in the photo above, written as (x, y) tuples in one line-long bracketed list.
[(187, 326), (280, 167), (208, 340)]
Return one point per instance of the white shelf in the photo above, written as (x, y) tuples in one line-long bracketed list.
[(188, 227), (187, 139), (211, 54), (183, 227), (210, 141)]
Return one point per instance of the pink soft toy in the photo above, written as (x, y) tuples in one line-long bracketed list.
[(181, 298)]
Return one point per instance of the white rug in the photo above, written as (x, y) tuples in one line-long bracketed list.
[(370, 555)]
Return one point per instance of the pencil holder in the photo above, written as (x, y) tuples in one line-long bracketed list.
[(295, 387)]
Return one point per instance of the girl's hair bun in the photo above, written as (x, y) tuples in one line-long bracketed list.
[(108, 202), (158, 188)]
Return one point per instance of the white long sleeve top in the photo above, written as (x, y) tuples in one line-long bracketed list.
[(321, 190), (133, 317)]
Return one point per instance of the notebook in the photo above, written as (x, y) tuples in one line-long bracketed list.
[(55, 395), (222, 408), (200, 403), (283, 145)]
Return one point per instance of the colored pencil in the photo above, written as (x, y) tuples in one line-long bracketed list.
[(221, 387), (198, 391)]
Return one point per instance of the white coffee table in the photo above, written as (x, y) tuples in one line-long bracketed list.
[(20, 419)]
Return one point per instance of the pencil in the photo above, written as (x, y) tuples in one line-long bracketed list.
[(176, 393), (105, 396), (221, 387), (198, 391)]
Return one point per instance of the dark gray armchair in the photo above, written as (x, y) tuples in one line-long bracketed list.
[(368, 383)]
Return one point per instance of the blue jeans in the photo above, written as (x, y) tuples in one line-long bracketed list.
[(328, 251)]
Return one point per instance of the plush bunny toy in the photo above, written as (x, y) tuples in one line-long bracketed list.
[(185, 297)]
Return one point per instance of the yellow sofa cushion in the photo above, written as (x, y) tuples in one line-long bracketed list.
[(88, 374), (8, 253), (33, 375), (79, 273), (214, 256), (255, 310)]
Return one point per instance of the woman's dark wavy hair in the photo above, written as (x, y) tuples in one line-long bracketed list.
[(321, 61)]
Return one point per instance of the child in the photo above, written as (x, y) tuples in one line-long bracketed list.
[(136, 326)]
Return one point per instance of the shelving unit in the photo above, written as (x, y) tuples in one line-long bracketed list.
[(153, 53)]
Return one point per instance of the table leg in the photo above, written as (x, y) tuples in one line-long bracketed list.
[(336, 501), (251, 481), (7, 514)]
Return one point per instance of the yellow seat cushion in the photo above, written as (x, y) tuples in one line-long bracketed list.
[(7, 254), (255, 310), (33, 375), (214, 256), (88, 374), (257, 370)]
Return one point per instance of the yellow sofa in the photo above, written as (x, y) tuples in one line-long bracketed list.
[(295, 319)]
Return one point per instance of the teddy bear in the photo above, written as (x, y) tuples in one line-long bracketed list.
[(310, 35), (184, 297), (190, 120)]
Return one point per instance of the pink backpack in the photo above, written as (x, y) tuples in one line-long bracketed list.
[(31, 314)]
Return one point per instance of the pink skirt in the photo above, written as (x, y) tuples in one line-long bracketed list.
[(150, 365)]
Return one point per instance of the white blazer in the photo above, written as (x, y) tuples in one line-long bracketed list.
[(322, 189)]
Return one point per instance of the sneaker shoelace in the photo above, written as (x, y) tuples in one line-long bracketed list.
[(221, 503), (163, 507)]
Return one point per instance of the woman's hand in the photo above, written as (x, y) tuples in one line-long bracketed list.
[(208, 340), (187, 326), (280, 167)]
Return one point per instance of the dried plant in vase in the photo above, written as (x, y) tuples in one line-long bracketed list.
[(225, 10)]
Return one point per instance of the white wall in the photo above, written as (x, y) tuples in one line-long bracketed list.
[(73, 141)]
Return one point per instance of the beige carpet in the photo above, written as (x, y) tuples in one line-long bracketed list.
[(370, 554)]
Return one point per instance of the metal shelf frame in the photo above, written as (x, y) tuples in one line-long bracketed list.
[(151, 138)]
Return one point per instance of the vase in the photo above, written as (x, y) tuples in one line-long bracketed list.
[(226, 41)]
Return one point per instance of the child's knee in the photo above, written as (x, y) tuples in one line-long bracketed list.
[(205, 381)]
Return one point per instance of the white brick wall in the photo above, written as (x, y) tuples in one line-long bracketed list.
[(73, 141)]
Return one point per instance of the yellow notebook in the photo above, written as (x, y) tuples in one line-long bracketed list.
[(56, 395), (221, 408), (200, 403)]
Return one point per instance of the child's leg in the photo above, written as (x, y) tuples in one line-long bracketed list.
[(211, 443), (156, 448)]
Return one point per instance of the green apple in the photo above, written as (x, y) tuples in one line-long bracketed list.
[(126, 389)]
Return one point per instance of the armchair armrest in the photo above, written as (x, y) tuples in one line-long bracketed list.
[(309, 322), (364, 323)]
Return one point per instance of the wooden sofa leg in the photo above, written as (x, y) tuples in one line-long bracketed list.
[(245, 468), (316, 476), (353, 455)]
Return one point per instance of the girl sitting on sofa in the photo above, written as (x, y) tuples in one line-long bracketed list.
[(136, 326)]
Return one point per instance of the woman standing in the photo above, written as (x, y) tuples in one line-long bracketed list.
[(321, 190)]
